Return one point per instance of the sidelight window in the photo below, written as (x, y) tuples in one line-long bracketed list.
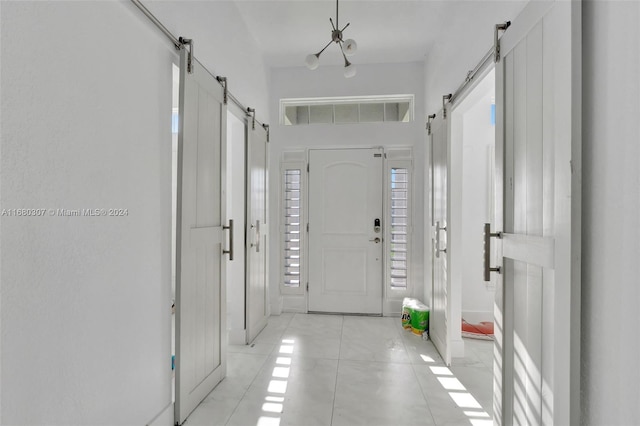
[(292, 227), (399, 244)]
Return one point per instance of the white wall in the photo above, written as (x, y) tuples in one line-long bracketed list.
[(85, 310), (381, 79), (611, 212), (222, 43), (86, 302)]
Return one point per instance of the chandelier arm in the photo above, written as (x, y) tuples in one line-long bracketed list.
[(346, 61), (332, 26), (345, 27), (324, 48), (337, 25)]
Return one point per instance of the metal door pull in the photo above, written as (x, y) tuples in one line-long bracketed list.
[(487, 251), (375, 240), (438, 250), (257, 243), (230, 228)]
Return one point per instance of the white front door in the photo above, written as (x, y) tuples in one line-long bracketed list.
[(200, 263), (538, 170), (256, 302), (345, 247), (440, 321)]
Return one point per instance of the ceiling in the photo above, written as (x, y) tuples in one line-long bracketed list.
[(386, 31)]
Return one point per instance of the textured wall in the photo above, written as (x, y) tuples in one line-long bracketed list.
[(86, 107), (611, 218)]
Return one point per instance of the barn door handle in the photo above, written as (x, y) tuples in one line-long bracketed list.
[(257, 236), (230, 228), (257, 243), (437, 244), (487, 251)]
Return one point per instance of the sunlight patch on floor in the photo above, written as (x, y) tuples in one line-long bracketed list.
[(274, 402), (472, 408)]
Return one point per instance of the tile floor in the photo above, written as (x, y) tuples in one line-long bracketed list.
[(347, 370)]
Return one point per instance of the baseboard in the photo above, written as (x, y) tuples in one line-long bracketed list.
[(292, 310), (476, 317), (164, 418), (294, 303), (237, 336)]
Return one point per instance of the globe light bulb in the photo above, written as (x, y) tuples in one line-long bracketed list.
[(312, 61), (349, 47), (349, 71)]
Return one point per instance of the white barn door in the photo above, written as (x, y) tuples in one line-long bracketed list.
[(345, 248), (538, 166), (440, 321), (256, 289), (200, 264)]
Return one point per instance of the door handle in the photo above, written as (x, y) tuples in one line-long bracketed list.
[(438, 250), (487, 251), (230, 228), (257, 243), (257, 236), (376, 240)]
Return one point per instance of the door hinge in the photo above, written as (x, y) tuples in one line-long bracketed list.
[(307, 167), (307, 227), (307, 287)]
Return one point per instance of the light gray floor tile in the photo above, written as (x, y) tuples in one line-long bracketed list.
[(212, 412), (483, 350), (420, 351), (243, 367), (383, 350), (308, 378), (274, 329), (259, 348), (308, 370), (378, 393), (309, 346), (478, 382)]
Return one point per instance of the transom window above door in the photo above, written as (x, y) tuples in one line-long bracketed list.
[(347, 110)]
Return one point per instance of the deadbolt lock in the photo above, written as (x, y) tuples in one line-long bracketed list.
[(376, 226)]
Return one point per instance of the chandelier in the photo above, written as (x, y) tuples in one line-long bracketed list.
[(347, 48)]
